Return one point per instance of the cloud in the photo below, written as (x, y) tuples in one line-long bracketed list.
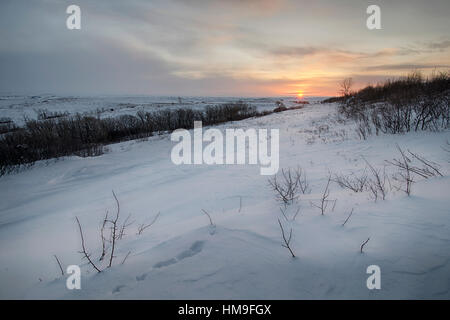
[(206, 47), (441, 45), (290, 51), (297, 51), (406, 66)]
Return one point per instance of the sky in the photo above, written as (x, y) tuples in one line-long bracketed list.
[(216, 48)]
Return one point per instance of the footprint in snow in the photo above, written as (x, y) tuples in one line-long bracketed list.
[(118, 288), (194, 249)]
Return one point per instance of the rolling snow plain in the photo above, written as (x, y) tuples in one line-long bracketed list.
[(181, 256)]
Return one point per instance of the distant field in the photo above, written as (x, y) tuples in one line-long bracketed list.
[(16, 108)]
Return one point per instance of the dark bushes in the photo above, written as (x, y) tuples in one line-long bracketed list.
[(280, 107), (7, 125), (85, 135), (228, 112), (43, 114), (333, 99), (403, 105)]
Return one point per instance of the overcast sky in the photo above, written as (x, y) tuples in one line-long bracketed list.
[(215, 48)]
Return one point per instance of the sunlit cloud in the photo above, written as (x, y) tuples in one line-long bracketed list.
[(196, 47)]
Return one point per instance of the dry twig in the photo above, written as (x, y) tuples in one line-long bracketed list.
[(348, 218), (59, 264), (210, 220), (142, 227), (287, 241), (86, 254), (364, 243)]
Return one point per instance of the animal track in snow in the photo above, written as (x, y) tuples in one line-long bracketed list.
[(194, 249)]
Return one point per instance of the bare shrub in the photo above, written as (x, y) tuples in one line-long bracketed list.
[(346, 86), (7, 125), (59, 135), (363, 130), (279, 106), (303, 181), (424, 168), (83, 246), (411, 103), (377, 184), (324, 201), (116, 233), (430, 169), (404, 175), (289, 184), (44, 114), (352, 182), (287, 188), (114, 236)]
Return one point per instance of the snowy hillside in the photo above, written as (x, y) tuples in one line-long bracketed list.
[(182, 256)]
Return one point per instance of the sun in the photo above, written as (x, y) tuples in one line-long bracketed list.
[(300, 94)]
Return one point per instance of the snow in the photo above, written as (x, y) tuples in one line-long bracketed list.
[(182, 257), (16, 108)]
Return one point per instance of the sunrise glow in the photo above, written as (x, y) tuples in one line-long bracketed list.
[(227, 48)]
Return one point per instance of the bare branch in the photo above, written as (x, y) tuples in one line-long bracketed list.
[(364, 243), (125, 225), (348, 218), (292, 181), (142, 227), (346, 86), (324, 200), (302, 181), (378, 184), (210, 220), (102, 236), (124, 259), (86, 255), (287, 241), (405, 173), (428, 164), (59, 264), (114, 230), (352, 182)]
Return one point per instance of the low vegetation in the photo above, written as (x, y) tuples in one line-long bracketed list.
[(412, 103), (54, 135)]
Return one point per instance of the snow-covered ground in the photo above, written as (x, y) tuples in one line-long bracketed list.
[(182, 257), (17, 108)]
